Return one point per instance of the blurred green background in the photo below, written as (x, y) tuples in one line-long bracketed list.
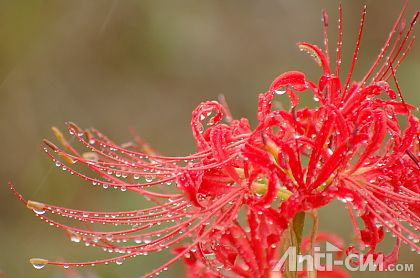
[(117, 65)]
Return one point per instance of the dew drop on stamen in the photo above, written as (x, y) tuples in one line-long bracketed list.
[(39, 211), (75, 238), (38, 266), (38, 263), (147, 239)]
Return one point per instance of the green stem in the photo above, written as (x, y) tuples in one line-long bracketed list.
[(261, 188)]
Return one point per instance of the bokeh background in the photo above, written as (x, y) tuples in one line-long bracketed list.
[(127, 64)]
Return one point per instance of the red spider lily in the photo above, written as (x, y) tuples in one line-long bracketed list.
[(350, 147)]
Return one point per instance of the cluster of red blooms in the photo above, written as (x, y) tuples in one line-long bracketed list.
[(226, 209)]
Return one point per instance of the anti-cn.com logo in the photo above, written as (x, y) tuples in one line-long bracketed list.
[(326, 260)]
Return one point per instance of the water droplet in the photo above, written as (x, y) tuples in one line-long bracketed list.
[(38, 266), (280, 92), (147, 239), (119, 262), (38, 263), (347, 198), (39, 211), (75, 238)]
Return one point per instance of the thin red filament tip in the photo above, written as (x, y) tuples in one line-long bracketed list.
[(339, 40)]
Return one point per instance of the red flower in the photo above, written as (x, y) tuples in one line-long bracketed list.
[(349, 147)]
